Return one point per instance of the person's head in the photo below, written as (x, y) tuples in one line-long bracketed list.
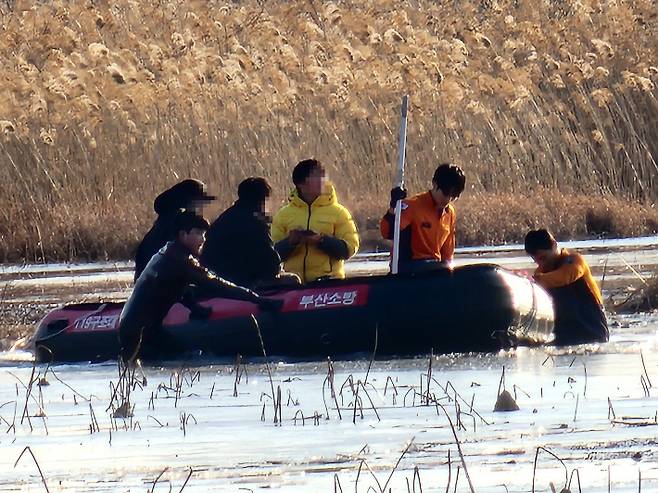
[(448, 183), (189, 229), (542, 247), (254, 192), (186, 194), (309, 178)]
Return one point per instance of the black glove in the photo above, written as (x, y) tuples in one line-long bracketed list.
[(270, 304), (397, 193), (199, 312)]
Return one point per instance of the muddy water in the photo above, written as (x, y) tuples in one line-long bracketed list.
[(593, 407)]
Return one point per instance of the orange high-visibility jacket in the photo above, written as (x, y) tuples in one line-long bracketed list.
[(572, 267), (425, 233)]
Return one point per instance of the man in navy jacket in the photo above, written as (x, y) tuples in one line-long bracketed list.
[(238, 244)]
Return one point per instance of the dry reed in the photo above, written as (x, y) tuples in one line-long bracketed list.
[(43, 478), (643, 298), (549, 108)]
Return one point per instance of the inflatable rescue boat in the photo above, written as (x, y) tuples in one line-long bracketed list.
[(473, 308)]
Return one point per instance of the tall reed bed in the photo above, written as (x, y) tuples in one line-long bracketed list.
[(550, 109)]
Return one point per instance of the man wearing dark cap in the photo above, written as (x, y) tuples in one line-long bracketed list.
[(163, 282), (188, 194), (239, 247)]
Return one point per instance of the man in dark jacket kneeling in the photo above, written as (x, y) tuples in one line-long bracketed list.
[(167, 276)]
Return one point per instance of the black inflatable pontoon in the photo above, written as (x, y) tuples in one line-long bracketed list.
[(471, 308)]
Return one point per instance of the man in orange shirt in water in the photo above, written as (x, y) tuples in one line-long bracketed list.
[(427, 224), (577, 300)]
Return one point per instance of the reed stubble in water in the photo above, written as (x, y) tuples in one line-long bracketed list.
[(186, 393)]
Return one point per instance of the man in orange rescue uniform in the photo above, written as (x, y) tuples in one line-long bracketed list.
[(579, 316), (427, 224)]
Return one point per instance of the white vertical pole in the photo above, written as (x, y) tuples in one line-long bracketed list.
[(402, 145)]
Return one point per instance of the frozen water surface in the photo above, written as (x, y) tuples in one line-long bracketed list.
[(594, 407), (606, 251), (231, 443)]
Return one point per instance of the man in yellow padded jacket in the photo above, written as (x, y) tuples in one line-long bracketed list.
[(313, 233)]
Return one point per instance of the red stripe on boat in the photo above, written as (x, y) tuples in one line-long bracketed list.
[(301, 300), (104, 320), (293, 301)]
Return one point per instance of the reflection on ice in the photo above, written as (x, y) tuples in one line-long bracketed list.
[(587, 405), (593, 406)]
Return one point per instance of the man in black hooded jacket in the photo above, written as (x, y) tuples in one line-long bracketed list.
[(187, 194), (163, 282), (239, 246)]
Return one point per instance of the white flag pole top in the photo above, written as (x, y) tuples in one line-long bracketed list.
[(400, 183)]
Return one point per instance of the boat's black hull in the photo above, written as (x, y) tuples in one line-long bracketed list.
[(473, 308)]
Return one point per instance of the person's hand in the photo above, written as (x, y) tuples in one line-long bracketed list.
[(397, 193), (295, 236), (270, 304), (313, 239)]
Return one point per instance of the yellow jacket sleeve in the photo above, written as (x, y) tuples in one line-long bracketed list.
[(279, 228), (345, 230), (572, 269)]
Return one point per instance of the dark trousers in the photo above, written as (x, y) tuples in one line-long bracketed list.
[(578, 317), (145, 342)]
